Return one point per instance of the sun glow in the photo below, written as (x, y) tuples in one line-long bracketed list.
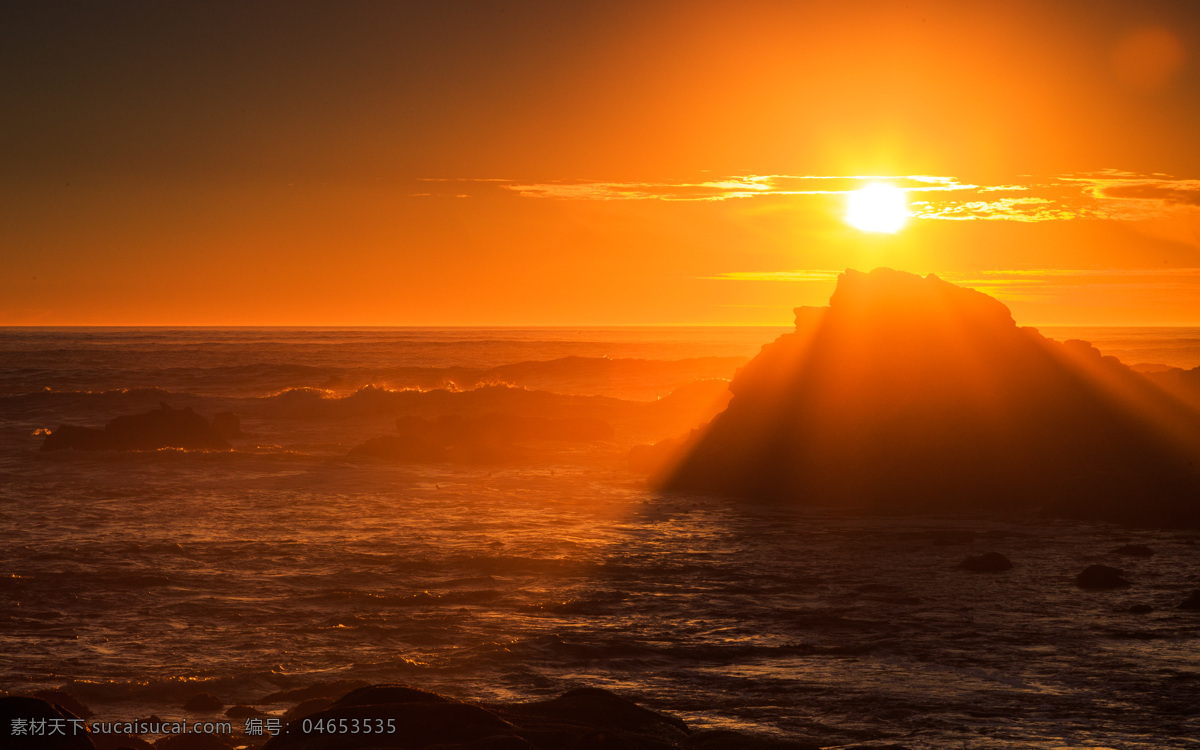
[(877, 207)]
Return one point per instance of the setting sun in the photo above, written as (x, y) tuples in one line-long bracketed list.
[(878, 207)]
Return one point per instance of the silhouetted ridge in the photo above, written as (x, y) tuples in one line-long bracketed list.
[(910, 393)]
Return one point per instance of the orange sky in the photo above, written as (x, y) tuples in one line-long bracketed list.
[(300, 163)]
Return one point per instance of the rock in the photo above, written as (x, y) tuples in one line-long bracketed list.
[(307, 707), (79, 438), (911, 394), (1140, 609), (203, 702), (988, 562), (404, 448), (1100, 577), (1192, 602), (1134, 550), (159, 428), (14, 709), (65, 700), (227, 424), (242, 711), (578, 719)]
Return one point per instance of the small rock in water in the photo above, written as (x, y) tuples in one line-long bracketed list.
[(1100, 577), (1134, 550), (242, 711), (1192, 602), (203, 702), (988, 562)]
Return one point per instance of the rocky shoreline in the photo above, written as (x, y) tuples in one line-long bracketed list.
[(379, 716)]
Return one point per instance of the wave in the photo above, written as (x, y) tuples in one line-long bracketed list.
[(642, 379)]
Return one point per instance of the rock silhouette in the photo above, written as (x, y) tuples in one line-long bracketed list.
[(988, 562), (1100, 577), (15, 715), (163, 427), (910, 393)]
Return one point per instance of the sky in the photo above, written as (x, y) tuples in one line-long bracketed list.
[(590, 163)]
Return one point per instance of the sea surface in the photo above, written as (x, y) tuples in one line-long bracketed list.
[(136, 579)]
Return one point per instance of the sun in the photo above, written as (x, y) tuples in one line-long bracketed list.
[(877, 207)]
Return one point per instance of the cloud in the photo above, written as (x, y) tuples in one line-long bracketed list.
[(1127, 195), (721, 189), (1109, 194)]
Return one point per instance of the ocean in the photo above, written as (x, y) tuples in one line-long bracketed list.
[(136, 579)]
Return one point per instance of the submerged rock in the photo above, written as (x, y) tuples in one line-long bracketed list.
[(163, 427), (988, 562), (1100, 577)]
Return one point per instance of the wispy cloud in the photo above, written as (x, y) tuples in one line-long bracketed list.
[(1105, 195), (729, 188)]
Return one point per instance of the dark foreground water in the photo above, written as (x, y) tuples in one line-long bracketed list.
[(135, 580)]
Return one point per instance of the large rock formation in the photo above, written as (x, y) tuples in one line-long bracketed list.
[(913, 393)]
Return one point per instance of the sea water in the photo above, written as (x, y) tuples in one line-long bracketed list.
[(137, 579)]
